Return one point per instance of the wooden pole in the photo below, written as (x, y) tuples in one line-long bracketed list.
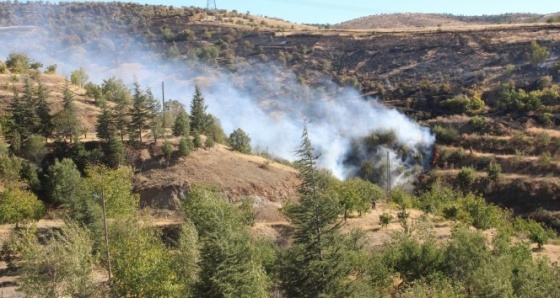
[(106, 233), (388, 175), (163, 104)]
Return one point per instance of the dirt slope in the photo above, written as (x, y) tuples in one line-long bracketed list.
[(236, 174)]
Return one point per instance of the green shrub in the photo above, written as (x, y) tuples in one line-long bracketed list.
[(538, 53), (184, 150), (445, 135), (466, 177), (18, 62), (478, 123), (462, 104), (240, 141), (385, 219), (494, 171)]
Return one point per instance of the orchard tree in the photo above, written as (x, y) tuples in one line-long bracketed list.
[(19, 206), (79, 77), (240, 141)]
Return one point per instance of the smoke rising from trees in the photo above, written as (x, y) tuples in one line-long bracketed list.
[(264, 99)]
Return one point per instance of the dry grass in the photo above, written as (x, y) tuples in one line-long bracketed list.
[(235, 174)]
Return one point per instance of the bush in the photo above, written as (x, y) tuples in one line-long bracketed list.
[(466, 177), (167, 149), (209, 143), (538, 53), (445, 135), (478, 123), (18, 62), (184, 149), (385, 219), (240, 141), (19, 206), (462, 104), (494, 170)]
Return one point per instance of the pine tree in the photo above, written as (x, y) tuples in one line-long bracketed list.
[(197, 142), (46, 125), (31, 121), (184, 147), (16, 127), (66, 121), (114, 151), (314, 265), (181, 126), (119, 94), (156, 116), (105, 126), (139, 112), (199, 118)]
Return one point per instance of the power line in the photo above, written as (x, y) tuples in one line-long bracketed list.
[(211, 5)]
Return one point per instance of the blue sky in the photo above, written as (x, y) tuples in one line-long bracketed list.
[(336, 11)]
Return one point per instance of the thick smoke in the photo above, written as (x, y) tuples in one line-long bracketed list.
[(264, 99)]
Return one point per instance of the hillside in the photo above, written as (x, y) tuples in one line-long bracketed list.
[(451, 124), (402, 20), (236, 175), (416, 70)]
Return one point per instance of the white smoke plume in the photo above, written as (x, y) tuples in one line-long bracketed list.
[(263, 99)]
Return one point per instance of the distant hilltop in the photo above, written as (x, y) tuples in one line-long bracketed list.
[(399, 20)]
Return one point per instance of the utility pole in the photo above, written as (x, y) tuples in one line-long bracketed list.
[(388, 175), (163, 105), (106, 233), (210, 5)]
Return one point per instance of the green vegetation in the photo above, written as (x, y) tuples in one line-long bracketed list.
[(19, 206), (212, 252), (538, 53), (240, 141)]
